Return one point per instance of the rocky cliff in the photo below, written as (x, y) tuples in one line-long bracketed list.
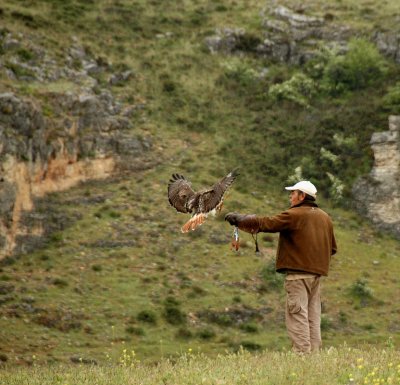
[(296, 35), (377, 196), (52, 140)]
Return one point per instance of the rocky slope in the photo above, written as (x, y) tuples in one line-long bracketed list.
[(377, 195), (295, 35), (50, 141), (75, 128)]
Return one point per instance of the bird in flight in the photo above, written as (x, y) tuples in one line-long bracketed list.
[(199, 204)]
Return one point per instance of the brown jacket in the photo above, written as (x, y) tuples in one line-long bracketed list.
[(306, 241)]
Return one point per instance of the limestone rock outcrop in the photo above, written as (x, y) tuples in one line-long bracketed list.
[(289, 36), (85, 140), (377, 195), (295, 36), (62, 125)]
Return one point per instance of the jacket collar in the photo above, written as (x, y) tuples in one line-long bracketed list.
[(305, 204)]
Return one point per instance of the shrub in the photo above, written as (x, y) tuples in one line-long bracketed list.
[(169, 86), (251, 346), (315, 67), (147, 316), (97, 268), (273, 280), (368, 327), (336, 189), (360, 289), (326, 323), (240, 71), (296, 176), (171, 301), (206, 334), (135, 330), (197, 291), (184, 333), (237, 299), (391, 101), (298, 89), (25, 54), (360, 67), (249, 327), (174, 315), (247, 42), (60, 282), (221, 319), (343, 318)]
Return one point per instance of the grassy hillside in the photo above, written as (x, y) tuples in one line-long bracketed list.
[(123, 276), (334, 367)]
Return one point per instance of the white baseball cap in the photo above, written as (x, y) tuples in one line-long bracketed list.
[(305, 186)]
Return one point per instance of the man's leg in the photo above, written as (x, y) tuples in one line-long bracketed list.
[(297, 315), (314, 312)]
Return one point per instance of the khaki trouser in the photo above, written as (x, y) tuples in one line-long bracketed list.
[(303, 313)]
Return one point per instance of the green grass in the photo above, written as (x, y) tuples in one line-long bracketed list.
[(90, 312), (81, 294), (334, 366)]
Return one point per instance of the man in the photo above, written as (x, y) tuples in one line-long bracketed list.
[(306, 244)]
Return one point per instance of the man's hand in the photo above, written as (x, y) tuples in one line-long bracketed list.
[(245, 222), (234, 218)]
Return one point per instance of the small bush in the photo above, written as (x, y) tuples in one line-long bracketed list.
[(237, 299), (251, 346), (135, 330), (206, 334), (184, 333), (238, 70), (197, 291), (247, 42), (169, 86), (336, 189), (272, 279), (219, 318), (360, 289), (298, 89), (326, 323), (171, 301), (147, 316), (25, 54), (56, 237), (249, 328), (3, 357), (97, 268), (359, 68), (174, 315), (391, 101), (368, 327), (60, 282), (343, 319)]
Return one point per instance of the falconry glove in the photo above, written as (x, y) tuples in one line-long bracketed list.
[(245, 222)]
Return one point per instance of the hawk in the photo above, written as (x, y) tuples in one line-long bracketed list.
[(199, 204)]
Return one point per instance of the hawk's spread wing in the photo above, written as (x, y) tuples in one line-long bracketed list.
[(179, 192), (213, 197)]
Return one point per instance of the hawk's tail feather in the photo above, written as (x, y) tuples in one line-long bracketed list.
[(176, 177), (194, 222), (234, 173)]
